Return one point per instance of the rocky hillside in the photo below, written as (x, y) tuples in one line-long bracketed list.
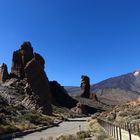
[(115, 90), (126, 115), (26, 94)]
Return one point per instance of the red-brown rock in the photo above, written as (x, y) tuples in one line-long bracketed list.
[(85, 86), (93, 96), (38, 81), (40, 59), (17, 69), (60, 96), (80, 109), (20, 58), (3, 73), (26, 51)]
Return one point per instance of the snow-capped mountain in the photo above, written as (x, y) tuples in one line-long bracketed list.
[(118, 89)]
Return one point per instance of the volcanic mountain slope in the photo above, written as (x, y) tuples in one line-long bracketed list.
[(115, 90)]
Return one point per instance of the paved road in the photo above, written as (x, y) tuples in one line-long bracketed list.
[(125, 136), (70, 127)]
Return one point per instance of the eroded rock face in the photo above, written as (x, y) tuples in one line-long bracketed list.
[(3, 73), (40, 59), (20, 58), (38, 81), (60, 96), (93, 96), (79, 109), (26, 51), (17, 65), (85, 86), (29, 65)]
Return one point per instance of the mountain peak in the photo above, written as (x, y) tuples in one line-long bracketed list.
[(136, 73)]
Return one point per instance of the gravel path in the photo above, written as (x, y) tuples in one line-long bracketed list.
[(64, 128)]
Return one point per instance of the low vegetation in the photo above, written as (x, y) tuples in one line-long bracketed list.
[(13, 119), (94, 132), (126, 115), (97, 131), (65, 112), (17, 118), (79, 136)]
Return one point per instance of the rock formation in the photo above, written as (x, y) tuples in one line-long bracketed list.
[(85, 86), (20, 58), (3, 73), (28, 76), (30, 65), (40, 59), (79, 109), (93, 96), (39, 84), (60, 96)]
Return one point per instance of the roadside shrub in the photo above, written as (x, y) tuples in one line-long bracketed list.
[(82, 135)]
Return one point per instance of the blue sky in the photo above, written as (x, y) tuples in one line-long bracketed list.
[(99, 38)]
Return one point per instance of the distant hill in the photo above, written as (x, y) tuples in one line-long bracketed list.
[(119, 89)]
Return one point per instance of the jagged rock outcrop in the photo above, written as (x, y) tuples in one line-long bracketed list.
[(79, 109), (3, 73), (20, 58), (30, 65), (26, 51), (40, 59), (93, 96), (39, 84), (60, 96), (85, 86)]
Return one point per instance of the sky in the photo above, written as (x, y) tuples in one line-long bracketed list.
[(98, 38)]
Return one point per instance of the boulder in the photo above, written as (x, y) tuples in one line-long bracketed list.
[(85, 86), (80, 109), (3, 73), (60, 96), (38, 81)]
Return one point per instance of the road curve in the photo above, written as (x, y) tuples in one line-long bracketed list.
[(68, 127)]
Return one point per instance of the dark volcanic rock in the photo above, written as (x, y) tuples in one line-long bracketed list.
[(93, 96), (20, 58), (26, 51), (85, 86), (60, 96), (3, 73), (39, 84), (40, 59), (17, 65), (80, 109)]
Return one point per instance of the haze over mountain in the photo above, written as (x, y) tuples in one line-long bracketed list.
[(118, 89)]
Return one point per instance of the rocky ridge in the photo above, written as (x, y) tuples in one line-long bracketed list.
[(29, 83)]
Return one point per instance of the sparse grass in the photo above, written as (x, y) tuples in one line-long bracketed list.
[(79, 136), (8, 128), (82, 135), (65, 112), (38, 119), (20, 122), (98, 131)]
